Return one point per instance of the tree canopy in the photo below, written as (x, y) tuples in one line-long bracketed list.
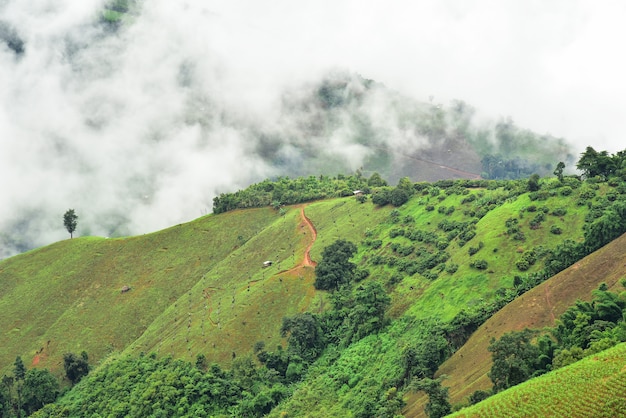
[(335, 268)]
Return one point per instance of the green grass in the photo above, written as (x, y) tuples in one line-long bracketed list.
[(66, 296), (593, 387)]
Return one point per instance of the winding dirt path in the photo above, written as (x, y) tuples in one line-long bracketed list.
[(547, 293), (307, 253)]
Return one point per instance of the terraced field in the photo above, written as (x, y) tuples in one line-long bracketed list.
[(593, 387)]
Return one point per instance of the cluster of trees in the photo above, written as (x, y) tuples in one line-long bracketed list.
[(27, 391), (583, 329), (600, 164), (286, 191), (359, 304), (146, 386)]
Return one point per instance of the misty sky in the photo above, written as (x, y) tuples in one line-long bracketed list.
[(139, 130)]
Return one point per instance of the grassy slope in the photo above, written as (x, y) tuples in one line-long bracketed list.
[(238, 302), (593, 387), (66, 296), (467, 369), (377, 357)]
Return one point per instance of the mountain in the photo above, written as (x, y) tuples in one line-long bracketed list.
[(202, 289)]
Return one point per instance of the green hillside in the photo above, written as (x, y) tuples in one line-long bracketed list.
[(67, 297), (440, 263), (466, 371), (593, 387)]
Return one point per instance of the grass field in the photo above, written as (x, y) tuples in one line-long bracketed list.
[(67, 297)]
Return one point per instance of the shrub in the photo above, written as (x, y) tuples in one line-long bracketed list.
[(396, 232), (522, 265), (566, 191), (473, 250), (519, 236), (559, 212), (479, 264), (399, 197), (452, 268), (394, 279), (442, 244), (556, 230)]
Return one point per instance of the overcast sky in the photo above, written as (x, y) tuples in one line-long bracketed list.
[(129, 128), (554, 66)]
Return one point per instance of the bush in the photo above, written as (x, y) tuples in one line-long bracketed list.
[(396, 232), (479, 264), (519, 236), (556, 230), (566, 191), (452, 268), (399, 197), (522, 265), (559, 212)]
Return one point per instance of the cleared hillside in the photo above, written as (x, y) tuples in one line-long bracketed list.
[(594, 387), (467, 369), (67, 297)]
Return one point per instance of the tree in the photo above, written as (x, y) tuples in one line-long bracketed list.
[(19, 370), (376, 180), (381, 196), (70, 220), (438, 405), (75, 366), (593, 163), (40, 388), (304, 336), (533, 183), (399, 196), (368, 314), (558, 171), (335, 268), (514, 359)]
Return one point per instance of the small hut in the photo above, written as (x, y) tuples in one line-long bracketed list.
[(125, 289), (267, 263)]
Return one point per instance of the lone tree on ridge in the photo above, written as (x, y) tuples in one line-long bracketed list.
[(70, 220)]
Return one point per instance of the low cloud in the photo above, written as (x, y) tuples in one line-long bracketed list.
[(138, 128)]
